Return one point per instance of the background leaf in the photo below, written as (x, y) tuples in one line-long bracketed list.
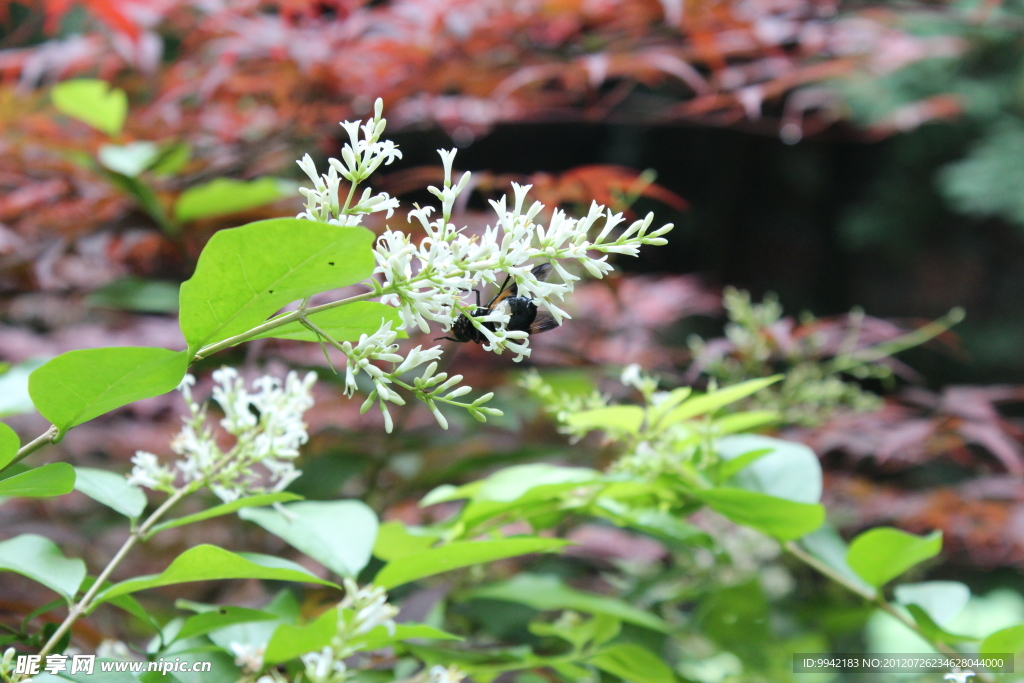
[(40, 559), (337, 534), (1009, 640), (880, 555), (246, 274), (613, 419), (79, 385), (226, 509), (92, 102), (113, 490), (777, 517), (789, 470), (632, 663), (223, 196), (14, 396)]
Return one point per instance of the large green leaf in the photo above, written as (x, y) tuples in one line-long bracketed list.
[(788, 470), (632, 663), (460, 554), (337, 534), (226, 509), (210, 563), (224, 196), (546, 592), (394, 540), (92, 102), (289, 642), (777, 517), (709, 403), (828, 547), (933, 605), (9, 445), (880, 555), (47, 481), (1008, 640), (344, 323), (203, 623), (40, 559), (79, 385), (113, 490), (246, 274)]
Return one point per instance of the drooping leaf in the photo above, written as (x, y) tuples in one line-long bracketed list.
[(246, 274), (709, 403), (47, 481), (210, 563), (632, 663), (203, 623), (40, 559), (224, 196), (613, 419), (546, 592), (79, 385), (92, 102), (344, 323), (788, 470), (780, 518), (458, 555), (9, 445), (226, 509), (880, 555), (337, 534), (113, 490)]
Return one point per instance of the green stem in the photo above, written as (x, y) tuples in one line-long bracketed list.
[(907, 341), (31, 447)]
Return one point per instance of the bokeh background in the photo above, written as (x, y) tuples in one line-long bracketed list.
[(842, 155)]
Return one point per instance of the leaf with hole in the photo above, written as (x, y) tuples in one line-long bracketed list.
[(79, 385), (247, 274)]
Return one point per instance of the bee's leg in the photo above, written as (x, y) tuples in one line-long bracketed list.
[(477, 292)]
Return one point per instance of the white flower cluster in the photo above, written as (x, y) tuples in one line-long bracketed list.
[(362, 610), (431, 280), (360, 157), (267, 426)]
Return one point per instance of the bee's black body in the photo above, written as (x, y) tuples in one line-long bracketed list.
[(522, 313)]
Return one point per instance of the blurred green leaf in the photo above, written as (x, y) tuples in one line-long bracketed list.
[(224, 196), (47, 481), (40, 559), (136, 294), (9, 445), (92, 102), (710, 402), (613, 419), (880, 555), (789, 470), (171, 159), (989, 181), (780, 518), (14, 396), (226, 509), (338, 534), (827, 546), (205, 622), (129, 159), (632, 663), (394, 540), (1010, 640), (113, 490)]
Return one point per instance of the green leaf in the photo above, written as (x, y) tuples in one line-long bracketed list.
[(613, 419), (728, 469), (708, 403), (880, 555), (47, 481), (224, 196), (941, 600), (597, 630), (226, 509), (632, 663), (828, 547), (14, 398), (92, 102), (1009, 640), (9, 445), (988, 180), (246, 274), (545, 593), (143, 193), (746, 421), (201, 624), (113, 490), (40, 559), (662, 525), (337, 534), (344, 323), (782, 519), (289, 642), (172, 159), (790, 470), (130, 159), (79, 385), (135, 294), (394, 540), (210, 563), (460, 554)]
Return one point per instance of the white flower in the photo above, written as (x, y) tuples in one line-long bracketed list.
[(440, 674), (958, 676), (371, 608), (248, 656), (268, 428)]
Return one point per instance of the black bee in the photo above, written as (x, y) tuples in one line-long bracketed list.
[(522, 312)]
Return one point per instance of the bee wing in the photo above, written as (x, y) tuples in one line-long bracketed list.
[(508, 288), (542, 323), (542, 271)]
